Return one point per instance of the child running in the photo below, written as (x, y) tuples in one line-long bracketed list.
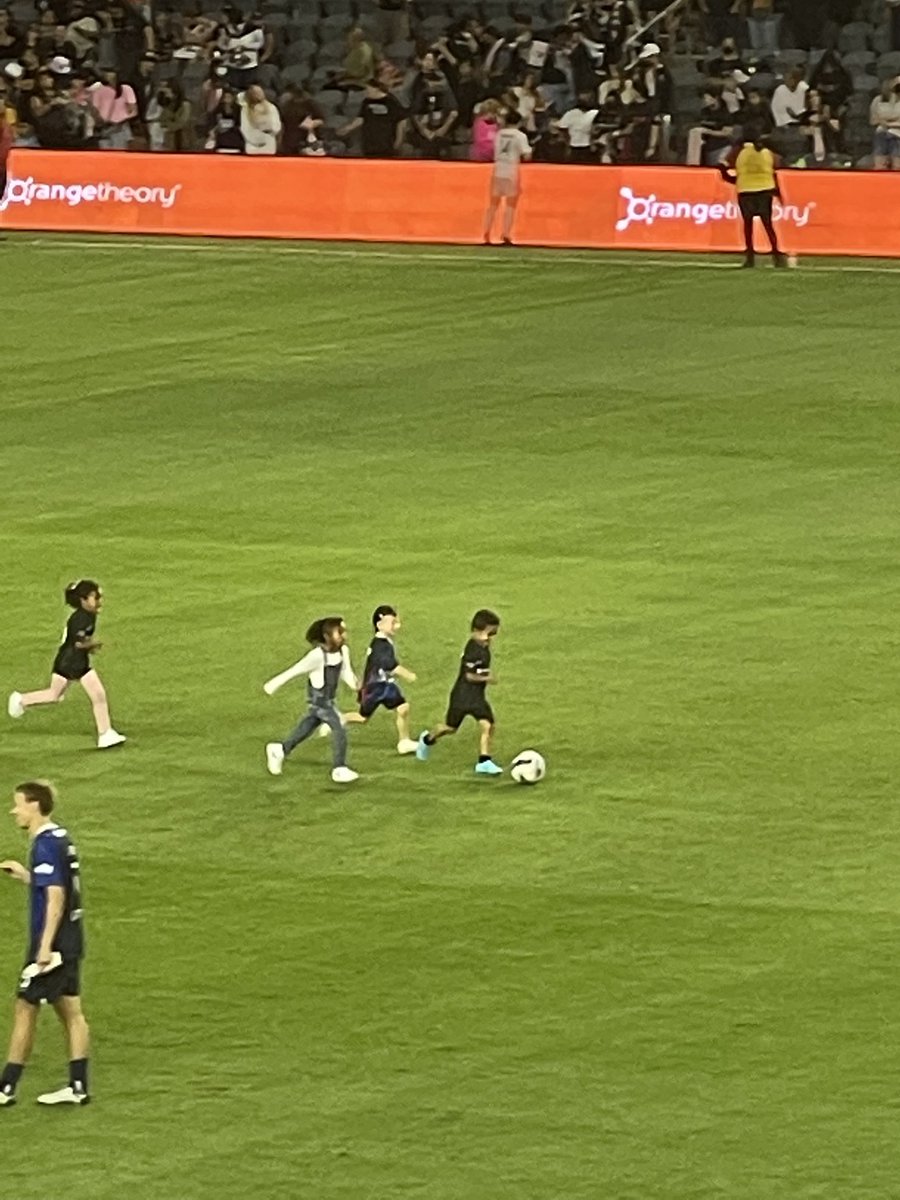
[(73, 661), (326, 665), (468, 699), (379, 688)]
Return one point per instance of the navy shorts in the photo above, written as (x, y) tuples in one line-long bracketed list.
[(383, 695), (64, 981)]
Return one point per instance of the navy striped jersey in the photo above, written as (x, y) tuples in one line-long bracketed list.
[(54, 863)]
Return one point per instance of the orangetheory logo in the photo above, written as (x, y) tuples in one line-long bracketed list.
[(647, 210), (33, 191)]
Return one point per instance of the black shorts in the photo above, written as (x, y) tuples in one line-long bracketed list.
[(64, 981), (756, 204), (384, 695), (71, 666), (462, 706)]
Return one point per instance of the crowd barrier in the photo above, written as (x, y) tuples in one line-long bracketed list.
[(628, 208)]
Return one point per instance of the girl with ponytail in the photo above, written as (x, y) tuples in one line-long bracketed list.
[(73, 661)]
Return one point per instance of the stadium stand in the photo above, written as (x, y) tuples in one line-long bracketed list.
[(638, 82)]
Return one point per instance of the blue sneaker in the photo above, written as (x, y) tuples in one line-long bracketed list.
[(488, 768), (422, 748)]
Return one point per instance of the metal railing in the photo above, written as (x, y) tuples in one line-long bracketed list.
[(640, 35)]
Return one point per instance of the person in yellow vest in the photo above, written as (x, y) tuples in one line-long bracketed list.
[(752, 169)]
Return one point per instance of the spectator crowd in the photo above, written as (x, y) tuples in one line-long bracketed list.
[(592, 81)]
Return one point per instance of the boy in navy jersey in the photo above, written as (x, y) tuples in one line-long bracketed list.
[(51, 974), (468, 698), (379, 687)]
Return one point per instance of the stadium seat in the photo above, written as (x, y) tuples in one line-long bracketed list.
[(858, 104), (330, 28), (684, 72), (859, 61), (687, 101), (493, 9), (352, 104), (298, 73), (431, 28), (331, 53), (430, 8), (786, 60), (23, 12), (318, 78), (888, 64), (854, 37), (765, 81), (400, 51), (268, 77), (343, 8), (298, 52), (880, 40)]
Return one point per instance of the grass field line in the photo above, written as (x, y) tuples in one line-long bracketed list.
[(515, 259)]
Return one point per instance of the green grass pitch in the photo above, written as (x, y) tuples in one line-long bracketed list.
[(668, 973)]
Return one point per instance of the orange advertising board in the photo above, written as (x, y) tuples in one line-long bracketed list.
[(643, 208)]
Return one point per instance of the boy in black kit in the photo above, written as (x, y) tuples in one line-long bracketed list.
[(379, 687), (468, 698)]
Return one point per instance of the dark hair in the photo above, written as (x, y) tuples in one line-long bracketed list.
[(513, 117), (383, 610), (484, 619), (41, 794), (318, 632), (80, 590)]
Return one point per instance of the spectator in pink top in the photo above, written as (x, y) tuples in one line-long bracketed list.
[(484, 131), (116, 106)]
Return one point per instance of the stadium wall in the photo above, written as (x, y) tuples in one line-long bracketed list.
[(627, 208)]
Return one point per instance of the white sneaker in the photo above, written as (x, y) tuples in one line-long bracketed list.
[(7, 1099), (274, 758), (66, 1095), (14, 705), (407, 746), (323, 730), (109, 739), (343, 775)]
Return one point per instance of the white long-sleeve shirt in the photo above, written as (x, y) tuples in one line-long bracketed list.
[(313, 665)]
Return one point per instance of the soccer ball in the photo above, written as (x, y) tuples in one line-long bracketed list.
[(528, 767)]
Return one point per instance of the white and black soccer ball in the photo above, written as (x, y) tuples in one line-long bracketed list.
[(528, 767)]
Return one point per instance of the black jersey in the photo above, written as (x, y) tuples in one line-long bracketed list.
[(476, 660), (381, 660), (79, 628), (54, 863), (70, 662)]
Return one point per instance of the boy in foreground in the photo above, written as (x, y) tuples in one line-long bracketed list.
[(468, 697)]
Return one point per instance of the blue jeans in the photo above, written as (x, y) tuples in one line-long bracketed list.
[(887, 145), (320, 713), (763, 33)]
